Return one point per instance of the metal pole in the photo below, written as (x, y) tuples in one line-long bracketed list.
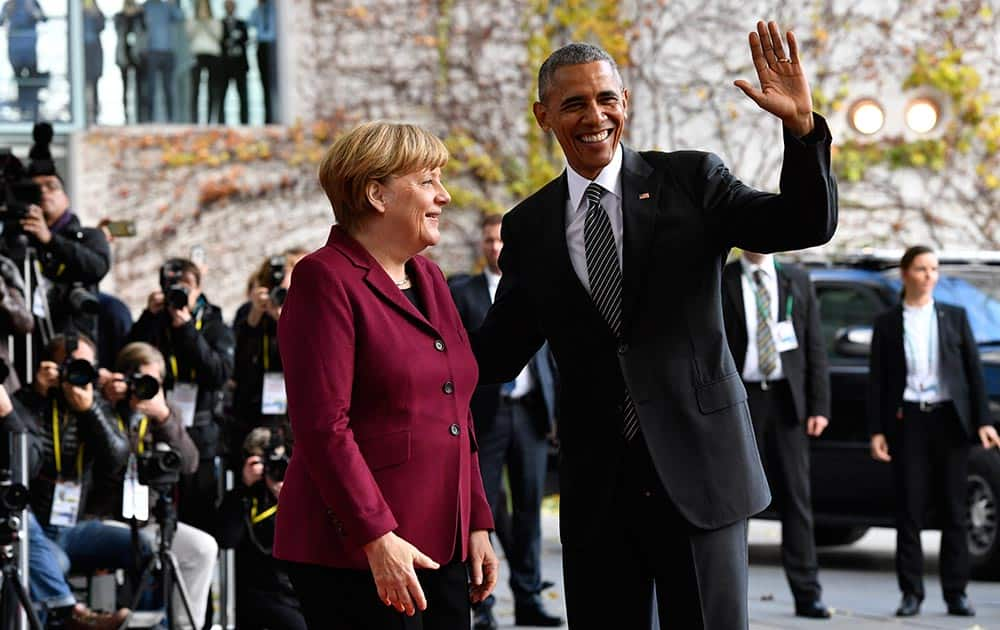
[(20, 475)]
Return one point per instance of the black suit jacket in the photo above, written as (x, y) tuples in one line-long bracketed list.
[(682, 212), (472, 298), (805, 367), (234, 43), (960, 369)]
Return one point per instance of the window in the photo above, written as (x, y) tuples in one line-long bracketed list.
[(842, 306)]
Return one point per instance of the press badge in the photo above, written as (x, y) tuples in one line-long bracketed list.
[(784, 336), (274, 401), (135, 496), (184, 398), (65, 504)]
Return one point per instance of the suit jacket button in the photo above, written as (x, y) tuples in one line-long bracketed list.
[(622, 348), (448, 388), (439, 345), (454, 430)]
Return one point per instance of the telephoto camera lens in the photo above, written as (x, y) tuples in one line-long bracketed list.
[(278, 295), (275, 466), (177, 296), (78, 372), (83, 301), (13, 497), (143, 386)]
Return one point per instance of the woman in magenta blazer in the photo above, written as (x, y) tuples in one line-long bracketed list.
[(382, 520)]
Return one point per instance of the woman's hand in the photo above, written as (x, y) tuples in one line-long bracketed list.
[(483, 566), (880, 448), (393, 562)]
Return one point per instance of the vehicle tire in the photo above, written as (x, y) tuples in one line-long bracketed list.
[(982, 513), (830, 536)]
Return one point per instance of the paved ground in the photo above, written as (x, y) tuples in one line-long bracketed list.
[(859, 583)]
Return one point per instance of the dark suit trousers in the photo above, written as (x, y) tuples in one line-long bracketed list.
[(266, 67), (233, 70), (347, 599), (784, 451), (700, 575), (514, 439), (930, 455)]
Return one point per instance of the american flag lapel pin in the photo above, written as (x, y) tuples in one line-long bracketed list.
[(643, 196)]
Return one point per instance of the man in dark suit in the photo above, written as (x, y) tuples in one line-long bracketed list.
[(233, 64), (772, 323), (513, 422), (617, 263)]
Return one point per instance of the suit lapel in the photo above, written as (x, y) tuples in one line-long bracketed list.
[(784, 287), (640, 197), (553, 202), (482, 289)]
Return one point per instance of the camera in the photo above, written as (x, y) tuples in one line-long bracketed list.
[(13, 499), (275, 463), (142, 386), (18, 192), (77, 372), (277, 276), (160, 467), (176, 294)]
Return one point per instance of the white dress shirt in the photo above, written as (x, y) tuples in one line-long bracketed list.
[(923, 355), (751, 367), (524, 382), (576, 212)]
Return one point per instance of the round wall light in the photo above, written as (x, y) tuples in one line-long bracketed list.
[(922, 114), (866, 116)]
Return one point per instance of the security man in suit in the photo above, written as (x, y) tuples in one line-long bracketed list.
[(617, 264), (513, 422), (773, 327)]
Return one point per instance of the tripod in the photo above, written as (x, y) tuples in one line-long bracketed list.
[(164, 559), (12, 587)]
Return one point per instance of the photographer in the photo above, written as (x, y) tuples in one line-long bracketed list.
[(198, 346), (135, 390), (259, 399), (15, 317), (78, 439), (73, 258), (264, 596)]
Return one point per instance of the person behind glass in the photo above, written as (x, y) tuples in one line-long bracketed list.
[(159, 18), (93, 56), (771, 316), (264, 595), (383, 504), (264, 22), (927, 404), (205, 35), (198, 347), (233, 64), (259, 399), (513, 423), (148, 423), (23, 17), (131, 31), (79, 439)]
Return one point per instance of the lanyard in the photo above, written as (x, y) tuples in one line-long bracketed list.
[(263, 516), (143, 425), (267, 353), (57, 447), (173, 358)]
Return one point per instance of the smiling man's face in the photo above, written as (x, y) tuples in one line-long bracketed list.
[(586, 109)]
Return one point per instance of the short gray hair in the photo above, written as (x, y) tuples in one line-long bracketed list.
[(572, 54)]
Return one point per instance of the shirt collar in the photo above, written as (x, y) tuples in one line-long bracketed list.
[(491, 278), (767, 267), (609, 179)]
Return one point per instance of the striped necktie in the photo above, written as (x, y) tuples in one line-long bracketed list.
[(605, 278), (767, 355)]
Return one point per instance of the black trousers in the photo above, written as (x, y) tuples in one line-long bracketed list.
[(784, 451), (514, 439), (233, 70), (930, 456), (266, 63), (700, 575), (347, 599)]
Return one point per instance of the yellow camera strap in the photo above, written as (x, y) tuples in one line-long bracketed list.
[(263, 516)]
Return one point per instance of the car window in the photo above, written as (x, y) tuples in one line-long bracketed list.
[(845, 305)]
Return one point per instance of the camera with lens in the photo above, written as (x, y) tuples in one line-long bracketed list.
[(142, 386), (77, 372), (13, 499), (18, 192), (175, 293), (275, 463), (76, 298), (160, 467), (276, 277)]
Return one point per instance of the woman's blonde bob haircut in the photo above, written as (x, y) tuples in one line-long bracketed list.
[(374, 151)]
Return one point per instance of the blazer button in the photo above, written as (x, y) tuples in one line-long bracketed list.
[(454, 430), (439, 345), (622, 347), (448, 388)]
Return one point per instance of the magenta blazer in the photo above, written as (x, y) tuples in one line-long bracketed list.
[(378, 397)]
